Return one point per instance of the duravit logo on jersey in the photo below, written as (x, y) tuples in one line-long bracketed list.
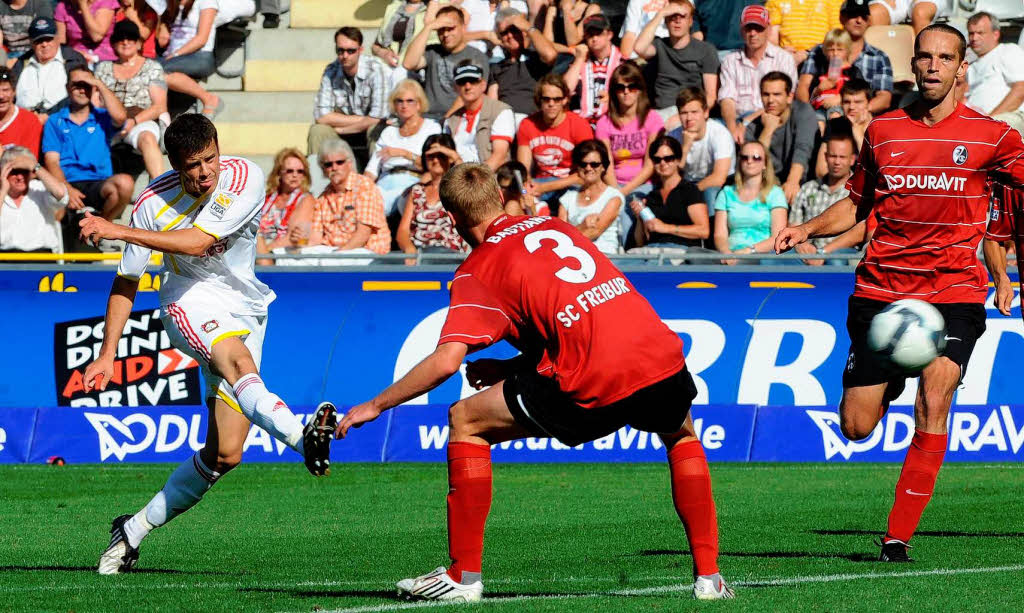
[(968, 432), (931, 181)]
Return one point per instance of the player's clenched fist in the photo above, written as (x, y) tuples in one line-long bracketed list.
[(98, 374), (789, 238), (96, 228), (356, 417)]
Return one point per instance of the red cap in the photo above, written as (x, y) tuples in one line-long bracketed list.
[(755, 14)]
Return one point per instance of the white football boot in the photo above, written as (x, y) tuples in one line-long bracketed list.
[(437, 585), (119, 557), (711, 588)]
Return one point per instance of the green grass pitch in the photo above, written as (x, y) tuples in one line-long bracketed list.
[(559, 538)]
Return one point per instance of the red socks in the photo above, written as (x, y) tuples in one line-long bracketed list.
[(915, 485), (691, 494), (469, 501)]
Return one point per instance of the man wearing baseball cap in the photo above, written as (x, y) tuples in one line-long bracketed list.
[(42, 74), (872, 62), (483, 128), (742, 70), (798, 26)]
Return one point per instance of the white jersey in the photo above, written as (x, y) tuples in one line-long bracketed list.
[(230, 213)]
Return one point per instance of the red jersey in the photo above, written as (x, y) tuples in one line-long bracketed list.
[(23, 129), (545, 288), (928, 187), (1007, 215), (552, 147)]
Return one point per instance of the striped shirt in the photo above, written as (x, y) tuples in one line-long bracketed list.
[(364, 94), (803, 23), (872, 62), (741, 79), (928, 186), (337, 215), (230, 213)]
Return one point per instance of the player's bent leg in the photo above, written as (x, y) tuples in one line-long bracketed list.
[(924, 457), (695, 505), (861, 408), (185, 487)]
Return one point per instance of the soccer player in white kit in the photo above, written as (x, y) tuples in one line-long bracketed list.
[(203, 215)]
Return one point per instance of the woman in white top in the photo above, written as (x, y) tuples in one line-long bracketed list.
[(31, 201), (188, 56), (395, 164), (593, 207)]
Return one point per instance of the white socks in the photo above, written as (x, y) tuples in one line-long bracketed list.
[(183, 490), (268, 411)]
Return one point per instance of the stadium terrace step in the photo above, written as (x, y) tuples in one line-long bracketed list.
[(247, 138), (283, 75), (334, 13), (295, 44), (275, 107)]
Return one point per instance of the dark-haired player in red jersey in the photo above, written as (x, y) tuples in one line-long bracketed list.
[(923, 171), (595, 357)]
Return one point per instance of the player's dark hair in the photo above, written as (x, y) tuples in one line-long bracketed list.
[(587, 147), (777, 75), (946, 29), (470, 193), (855, 86), (691, 94), (350, 33), (187, 135)]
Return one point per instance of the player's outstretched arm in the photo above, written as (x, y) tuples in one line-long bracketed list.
[(995, 260), (119, 308), (190, 241), (834, 220), (425, 376)]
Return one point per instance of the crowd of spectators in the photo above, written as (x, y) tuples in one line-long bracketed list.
[(696, 127), (702, 126)]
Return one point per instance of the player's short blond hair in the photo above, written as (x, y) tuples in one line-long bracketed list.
[(471, 193)]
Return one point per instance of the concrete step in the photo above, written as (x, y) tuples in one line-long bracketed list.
[(293, 44), (217, 83), (334, 13), (248, 138), (283, 75), (248, 106)]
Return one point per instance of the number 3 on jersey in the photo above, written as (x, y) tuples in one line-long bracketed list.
[(565, 249)]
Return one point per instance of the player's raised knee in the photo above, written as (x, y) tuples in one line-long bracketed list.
[(857, 426)]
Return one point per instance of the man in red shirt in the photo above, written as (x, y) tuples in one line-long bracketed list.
[(923, 173), (17, 126), (546, 289)]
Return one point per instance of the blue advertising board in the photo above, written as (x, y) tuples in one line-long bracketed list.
[(773, 339)]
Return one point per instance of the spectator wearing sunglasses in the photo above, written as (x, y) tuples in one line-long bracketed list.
[(483, 128), (76, 150), (42, 74), (677, 220), (349, 215), (708, 152), (288, 208), (547, 138), (17, 126), (749, 213), (628, 129), (31, 199), (352, 98), (593, 206)]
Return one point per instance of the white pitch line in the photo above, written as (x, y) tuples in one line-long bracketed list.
[(681, 587)]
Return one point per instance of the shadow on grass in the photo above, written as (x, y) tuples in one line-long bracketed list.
[(852, 557), (92, 570), (388, 594), (940, 533)]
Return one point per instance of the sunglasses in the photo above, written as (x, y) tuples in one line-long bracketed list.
[(437, 157), (751, 158), (332, 163), (406, 101), (591, 164), (509, 30), (667, 158), (621, 87), (292, 171), (545, 99), (346, 50)]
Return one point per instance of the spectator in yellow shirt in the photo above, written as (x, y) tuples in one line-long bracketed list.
[(798, 25)]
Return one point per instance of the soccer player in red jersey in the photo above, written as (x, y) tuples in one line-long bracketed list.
[(595, 358), (923, 172)]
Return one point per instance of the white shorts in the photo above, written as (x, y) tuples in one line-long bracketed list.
[(197, 328), (132, 138), (901, 11)]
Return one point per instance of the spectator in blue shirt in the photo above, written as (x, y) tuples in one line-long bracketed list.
[(76, 147)]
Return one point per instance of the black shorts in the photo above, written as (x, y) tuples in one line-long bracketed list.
[(538, 405), (965, 323), (93, 191)]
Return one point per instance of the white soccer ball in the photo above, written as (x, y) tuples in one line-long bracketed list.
[(908, 333)]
